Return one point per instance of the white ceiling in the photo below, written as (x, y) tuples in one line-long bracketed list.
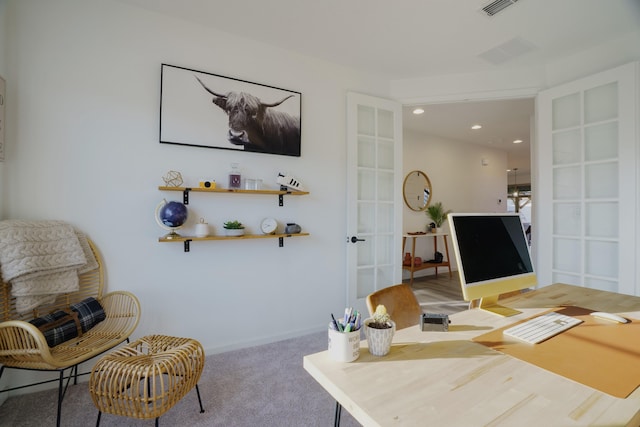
[(502, 123), (418, 38)]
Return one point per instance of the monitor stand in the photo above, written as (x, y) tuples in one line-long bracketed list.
[(491, 304)]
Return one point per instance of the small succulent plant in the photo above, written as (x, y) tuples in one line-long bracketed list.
[(233, 225), (381, 319)]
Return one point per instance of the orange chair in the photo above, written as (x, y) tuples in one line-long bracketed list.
[(401, 304)]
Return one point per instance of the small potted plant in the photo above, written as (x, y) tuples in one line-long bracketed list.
[(233, 228), (438, 215), (379, 330)]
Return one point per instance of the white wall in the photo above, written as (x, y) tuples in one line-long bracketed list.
[(458, 180), (84, 80)]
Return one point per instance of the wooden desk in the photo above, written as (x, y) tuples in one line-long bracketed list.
[(443, 378), (413, 268)]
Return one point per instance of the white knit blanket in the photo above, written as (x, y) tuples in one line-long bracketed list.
[(42, 259)]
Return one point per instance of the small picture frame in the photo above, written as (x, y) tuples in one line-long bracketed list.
[(208, 110)]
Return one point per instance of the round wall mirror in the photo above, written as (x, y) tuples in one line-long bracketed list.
[(417, 190)]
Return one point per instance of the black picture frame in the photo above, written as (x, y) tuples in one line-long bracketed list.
[(195, 106)]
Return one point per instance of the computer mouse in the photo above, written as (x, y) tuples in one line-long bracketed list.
[(609, 316)]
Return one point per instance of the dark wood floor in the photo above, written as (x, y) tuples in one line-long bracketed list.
[(439, 294)]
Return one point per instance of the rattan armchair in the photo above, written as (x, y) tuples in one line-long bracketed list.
[(23, 346)]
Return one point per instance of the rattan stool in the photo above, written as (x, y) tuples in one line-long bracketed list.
[(147, 377)]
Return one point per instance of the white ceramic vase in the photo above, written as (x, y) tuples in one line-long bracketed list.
[(379, 340)]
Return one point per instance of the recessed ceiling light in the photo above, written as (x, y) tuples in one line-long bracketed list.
[(418, 111), (517, 141), (475, 127)]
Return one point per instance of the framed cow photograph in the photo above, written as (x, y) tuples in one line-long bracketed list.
[(202, 109)]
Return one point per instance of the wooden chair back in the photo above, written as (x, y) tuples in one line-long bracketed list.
[(401, 304)]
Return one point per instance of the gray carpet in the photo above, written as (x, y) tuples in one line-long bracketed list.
[(258, 386)]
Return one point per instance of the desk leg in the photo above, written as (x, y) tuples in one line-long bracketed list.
[(336, 418)]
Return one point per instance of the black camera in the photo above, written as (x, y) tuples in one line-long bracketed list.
[(434, 322)]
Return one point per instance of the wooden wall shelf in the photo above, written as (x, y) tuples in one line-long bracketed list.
[(186, 240)]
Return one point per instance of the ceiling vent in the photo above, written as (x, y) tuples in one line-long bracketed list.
[(497, 6)]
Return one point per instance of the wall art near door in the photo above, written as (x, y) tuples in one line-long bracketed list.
[(207, 110)]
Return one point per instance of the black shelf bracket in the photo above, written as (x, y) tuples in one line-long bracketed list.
[(281, 196), (185, 196), (280, 241), (187, 245)]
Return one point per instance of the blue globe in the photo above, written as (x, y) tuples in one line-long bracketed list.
[(173, 214)]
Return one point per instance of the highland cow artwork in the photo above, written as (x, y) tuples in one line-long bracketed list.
[(207, 110)]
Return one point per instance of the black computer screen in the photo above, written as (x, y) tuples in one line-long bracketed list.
[(491, 247)]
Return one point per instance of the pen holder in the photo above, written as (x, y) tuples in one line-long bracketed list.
[(344, 346)]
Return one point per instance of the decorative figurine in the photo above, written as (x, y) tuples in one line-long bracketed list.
[(173, 179)]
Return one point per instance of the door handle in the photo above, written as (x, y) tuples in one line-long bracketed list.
[(354, 239)]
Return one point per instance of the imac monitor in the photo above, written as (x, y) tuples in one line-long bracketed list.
[(493, 257)]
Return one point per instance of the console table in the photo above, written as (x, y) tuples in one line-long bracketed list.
[(413, 268)]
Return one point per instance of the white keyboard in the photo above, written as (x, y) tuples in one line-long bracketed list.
[(542, 327)]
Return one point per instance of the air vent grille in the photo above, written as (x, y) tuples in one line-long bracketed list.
[(497, 6)]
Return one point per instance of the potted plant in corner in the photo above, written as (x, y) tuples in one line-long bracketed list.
[(438, 215), (233, 228), (379, 331)]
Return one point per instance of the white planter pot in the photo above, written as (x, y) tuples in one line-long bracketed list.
[(379, 340), (235, 232)]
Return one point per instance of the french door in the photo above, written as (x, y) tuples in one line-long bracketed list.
[(374, 200), (587, 195)]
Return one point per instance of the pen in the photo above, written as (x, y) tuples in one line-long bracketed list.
[(347, 315), (336, 324)]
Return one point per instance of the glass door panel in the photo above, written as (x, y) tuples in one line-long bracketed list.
[(601, 103), (366, 120), (601, 259), (565, 259), (598, 219), (601, 142), (567, 220), (567, 183), (367, 152), (566, 111), (601, 180), (566, 147)]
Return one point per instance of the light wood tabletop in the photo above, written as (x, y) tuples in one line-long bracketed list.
[(445, 378)]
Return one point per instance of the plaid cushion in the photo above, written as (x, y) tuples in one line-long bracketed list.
[(55, 328), (61, 326), (90, 313)]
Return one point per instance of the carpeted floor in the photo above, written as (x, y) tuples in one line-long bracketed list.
[(258, 386)]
